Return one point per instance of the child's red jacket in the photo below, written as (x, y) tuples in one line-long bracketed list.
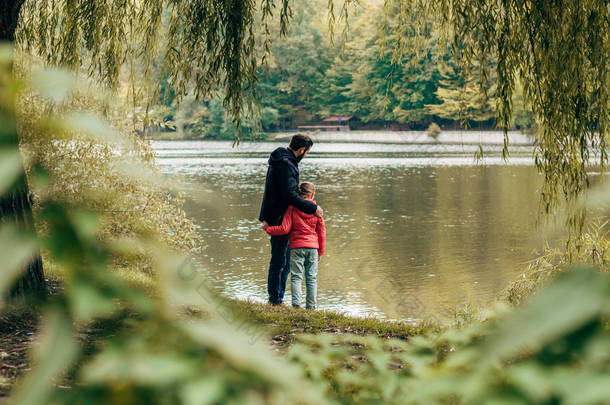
[(306, 230)]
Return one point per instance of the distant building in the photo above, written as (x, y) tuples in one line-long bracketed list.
[(346, 122), (334, 123)]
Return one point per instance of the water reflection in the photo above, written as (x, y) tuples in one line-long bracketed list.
[(412, 232)]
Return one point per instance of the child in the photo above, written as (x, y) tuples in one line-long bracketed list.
[(307, 244)]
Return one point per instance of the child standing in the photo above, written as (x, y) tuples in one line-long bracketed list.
[(307, 241)]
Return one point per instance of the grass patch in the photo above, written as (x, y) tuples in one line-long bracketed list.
[(284, 323), (17, 331)]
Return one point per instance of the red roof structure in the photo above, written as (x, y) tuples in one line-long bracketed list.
[(334, 123), (338, 118)]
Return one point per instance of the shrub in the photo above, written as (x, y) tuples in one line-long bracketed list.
[(434, 130), (88, 164), (591, 248), (549, 351)]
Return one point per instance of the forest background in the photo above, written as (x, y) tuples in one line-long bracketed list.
[(311, 75)]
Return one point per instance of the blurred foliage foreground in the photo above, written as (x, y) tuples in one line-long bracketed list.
[(553, 350)]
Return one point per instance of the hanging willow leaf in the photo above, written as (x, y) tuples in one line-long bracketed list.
[(560, 53), (205, 45)]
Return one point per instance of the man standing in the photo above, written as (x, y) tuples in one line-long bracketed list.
[(281, 192)]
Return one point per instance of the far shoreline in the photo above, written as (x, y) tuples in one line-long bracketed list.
[(465, 137), (453, 137)]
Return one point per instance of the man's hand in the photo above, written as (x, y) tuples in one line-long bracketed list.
[(319, 212), (265, 225)]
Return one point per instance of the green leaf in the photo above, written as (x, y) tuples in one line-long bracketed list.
[(90, 302), (6, 53), (140, 367), (15, 251), (573, 300), (54, 84), (86, 223), (581, 387), (91, 125), (53, 352), (226, 339), (531, 380), (204, 391), (11, 167)]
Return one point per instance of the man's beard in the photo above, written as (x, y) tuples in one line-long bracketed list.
[(300, 157)]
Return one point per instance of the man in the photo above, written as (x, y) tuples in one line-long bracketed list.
[(281, 192)]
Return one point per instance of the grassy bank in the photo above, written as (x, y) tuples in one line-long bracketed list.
[(284, 323)]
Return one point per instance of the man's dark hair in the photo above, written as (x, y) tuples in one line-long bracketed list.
[(299, 141)]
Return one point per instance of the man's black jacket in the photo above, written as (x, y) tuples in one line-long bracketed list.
[(281, 188)]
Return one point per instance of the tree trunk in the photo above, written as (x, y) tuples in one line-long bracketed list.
[(16, 205), (9, 14)]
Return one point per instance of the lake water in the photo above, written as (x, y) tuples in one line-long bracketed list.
[(414, 231)]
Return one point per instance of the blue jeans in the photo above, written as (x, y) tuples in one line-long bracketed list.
[(304, 260), (279, 268)]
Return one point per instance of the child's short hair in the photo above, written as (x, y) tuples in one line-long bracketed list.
[(306, 189)]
